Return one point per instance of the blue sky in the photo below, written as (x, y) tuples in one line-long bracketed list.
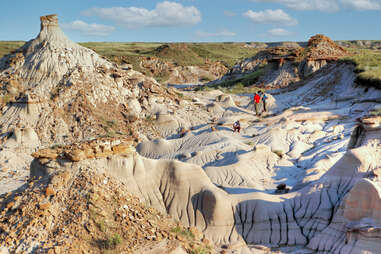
[(195, 20)]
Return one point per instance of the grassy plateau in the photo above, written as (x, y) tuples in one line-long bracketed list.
[(367, 61)]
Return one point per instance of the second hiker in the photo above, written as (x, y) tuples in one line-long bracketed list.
[(237, 126), (264, 98)]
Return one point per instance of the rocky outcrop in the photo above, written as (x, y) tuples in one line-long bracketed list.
[(322, 47), (71, 211), (368, 44), (284, 64)]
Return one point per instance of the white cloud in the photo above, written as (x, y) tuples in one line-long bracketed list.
[(362, 5), (307, 5), (327, 5), (223, 33), (229, 13), (89, 29), (165, 14), (279, 32), (271, 16)]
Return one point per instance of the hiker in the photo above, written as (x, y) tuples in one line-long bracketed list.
[(237, 126), (264, 98), (257, 100)]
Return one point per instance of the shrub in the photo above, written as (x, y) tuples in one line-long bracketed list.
[(238, 85), (113, 241), (183, 232)]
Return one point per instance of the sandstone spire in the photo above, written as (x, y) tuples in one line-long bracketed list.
[(59, 75), (45, 60)]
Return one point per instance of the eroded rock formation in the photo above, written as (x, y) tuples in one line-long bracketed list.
[(282, 65)]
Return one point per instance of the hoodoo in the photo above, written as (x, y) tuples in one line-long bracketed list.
[(71, 87)]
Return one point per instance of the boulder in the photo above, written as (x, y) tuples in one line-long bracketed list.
[(134, 107)]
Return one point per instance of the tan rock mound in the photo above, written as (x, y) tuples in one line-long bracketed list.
[(322, 47), (280, 66), (89, 211)]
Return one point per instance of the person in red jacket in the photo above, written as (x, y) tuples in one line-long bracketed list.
[(257, 100)]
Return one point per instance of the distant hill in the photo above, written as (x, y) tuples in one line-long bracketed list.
[(166, 61)]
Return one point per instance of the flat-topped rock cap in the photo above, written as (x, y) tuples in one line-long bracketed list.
[(49, 20)]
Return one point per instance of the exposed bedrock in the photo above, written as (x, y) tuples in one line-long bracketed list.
[(244, 172), (314, 216)]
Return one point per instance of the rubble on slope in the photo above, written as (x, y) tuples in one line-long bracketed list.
[(74, 213), (321, 47)]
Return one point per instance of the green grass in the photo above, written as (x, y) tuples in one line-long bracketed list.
[(149, 119), (200, 250), (184, 232), (238, 88), (178, 53), (7, 47), (113, 241), (368, 66), (238, 85), (249, 143), (368, 61), (354, 43), (375, 112), (111, 123), (227, 53)]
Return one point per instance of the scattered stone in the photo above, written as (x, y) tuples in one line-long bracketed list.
[(45, 206), (46, 153), (10, 205), (49, 191)]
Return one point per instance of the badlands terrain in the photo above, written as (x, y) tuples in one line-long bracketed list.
[(97, 157)]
